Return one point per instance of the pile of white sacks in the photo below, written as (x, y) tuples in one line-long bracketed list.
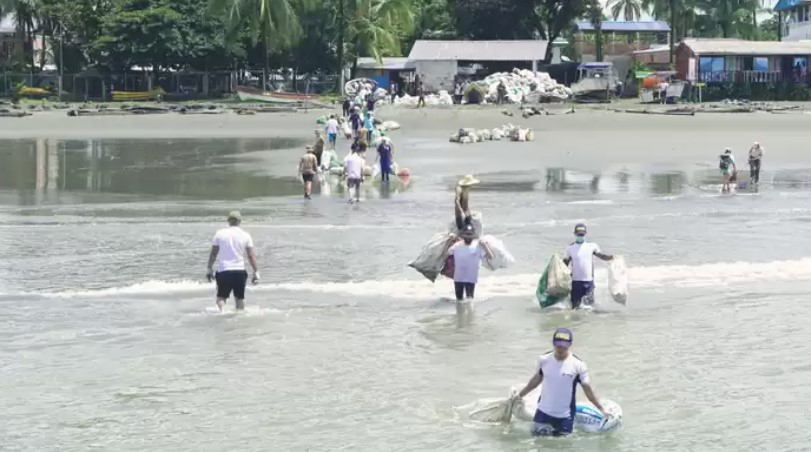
[(522, 83), (362, 87), (508, 131), (440, 98)]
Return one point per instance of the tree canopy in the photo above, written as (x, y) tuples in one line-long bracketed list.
[(320, 36)]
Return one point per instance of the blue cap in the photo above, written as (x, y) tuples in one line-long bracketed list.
[(580, 229), (562, 338)]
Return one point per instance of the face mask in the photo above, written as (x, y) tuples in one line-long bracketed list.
[(580, 239)]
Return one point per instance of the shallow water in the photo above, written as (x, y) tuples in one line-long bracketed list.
[(110, 340)]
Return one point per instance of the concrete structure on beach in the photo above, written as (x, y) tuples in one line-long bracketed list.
[(439, 62)]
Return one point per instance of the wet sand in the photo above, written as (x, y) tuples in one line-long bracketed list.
[(586, 136)]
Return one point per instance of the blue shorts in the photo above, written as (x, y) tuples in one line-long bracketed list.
[(332, 137), (582, 292), (546, 425)]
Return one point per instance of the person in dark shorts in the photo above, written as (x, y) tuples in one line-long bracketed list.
[(580, 254), (461, 204), (353, 170), (307, 169), (467, 258), (229, 247)]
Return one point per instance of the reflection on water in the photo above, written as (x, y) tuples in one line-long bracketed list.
[(52, 171), (667, 183), (189, 168), (561, 179)]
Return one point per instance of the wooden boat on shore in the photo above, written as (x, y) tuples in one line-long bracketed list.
[(246, 93)]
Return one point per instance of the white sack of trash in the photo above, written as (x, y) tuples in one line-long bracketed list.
[(511, 132)]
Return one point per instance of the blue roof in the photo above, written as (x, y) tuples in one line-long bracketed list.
[(783, 5), (620, 25)]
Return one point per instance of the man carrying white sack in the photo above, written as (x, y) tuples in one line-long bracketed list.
[(560, 372), (467, 257), (581, 255)]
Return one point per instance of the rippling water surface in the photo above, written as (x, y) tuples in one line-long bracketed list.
[(110, 339)]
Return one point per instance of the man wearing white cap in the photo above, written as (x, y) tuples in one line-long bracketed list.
[(728, 169), (755, 156), (231, 245)]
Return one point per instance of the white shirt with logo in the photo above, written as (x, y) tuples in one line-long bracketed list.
[(233, 242), (332, 126), (353, 166), (559, 384), (467, 260), (582, 257)]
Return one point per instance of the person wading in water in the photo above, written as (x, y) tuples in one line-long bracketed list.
[(461, 205)]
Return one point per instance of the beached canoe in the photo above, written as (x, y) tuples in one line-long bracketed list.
[(246, 93)]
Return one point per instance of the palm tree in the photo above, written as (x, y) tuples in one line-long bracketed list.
[(25, 20), (631, 10), (372, 28), (594, 12), (275, 22)]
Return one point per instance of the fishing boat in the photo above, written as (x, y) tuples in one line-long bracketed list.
[(597, 82), (246, 93)]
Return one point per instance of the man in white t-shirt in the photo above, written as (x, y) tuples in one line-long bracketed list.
[(467, 258), (332, 131), (231, 245), (560, 371), (353, 170), (580, 254)]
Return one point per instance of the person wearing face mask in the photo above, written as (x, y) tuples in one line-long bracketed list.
[(467, 257), (580, 254)]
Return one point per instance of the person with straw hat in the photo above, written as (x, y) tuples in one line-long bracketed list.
[(231, 245), (461, 205)]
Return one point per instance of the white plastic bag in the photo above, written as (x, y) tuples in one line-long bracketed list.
[(433, 254), (618, 279), (559, 277), (501, 257)]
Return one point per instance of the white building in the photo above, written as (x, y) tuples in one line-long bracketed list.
[(795, 19), (437, 63)]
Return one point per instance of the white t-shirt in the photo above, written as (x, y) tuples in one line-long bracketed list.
[(332, 126), (466, 261), (582, 257), (233, 242), (559, 385), (353, 166)]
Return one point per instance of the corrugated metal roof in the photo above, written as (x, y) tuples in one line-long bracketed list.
[(783, 5), (732, 46), (387, 63), (620, 25), (518, 50)]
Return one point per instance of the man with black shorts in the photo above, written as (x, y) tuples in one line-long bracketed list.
[(232, 244), (307, 169)]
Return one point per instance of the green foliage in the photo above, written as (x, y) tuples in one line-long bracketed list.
[(783, 91)]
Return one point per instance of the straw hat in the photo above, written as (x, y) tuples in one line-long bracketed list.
[(467, 181)]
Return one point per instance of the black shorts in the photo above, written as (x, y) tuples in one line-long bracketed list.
[(352, 183), (307, 177), (233, 280)]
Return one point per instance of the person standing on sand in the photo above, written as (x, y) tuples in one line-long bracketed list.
[(332, 131), (355, 120), (353, 170), (231, 245), (345, 107), (755, 156), (467, 258), (307, 169), (461, 204), (581, 255), (421, 94)]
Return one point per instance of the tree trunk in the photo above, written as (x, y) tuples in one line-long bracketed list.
[(598, 43), (340, 49), (672, 28), (755, 32), (42, 51)]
